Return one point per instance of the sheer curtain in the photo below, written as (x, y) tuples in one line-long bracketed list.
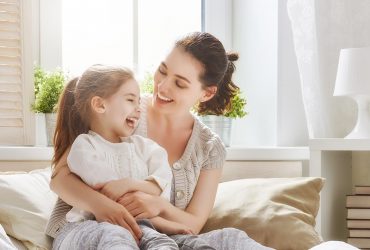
[(320, 29)]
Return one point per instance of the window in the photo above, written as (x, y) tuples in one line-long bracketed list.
[(134, 33), (16, 86)]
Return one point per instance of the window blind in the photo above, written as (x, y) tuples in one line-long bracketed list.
[(12, 130)]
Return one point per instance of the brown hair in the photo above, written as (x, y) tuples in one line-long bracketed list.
[(74, 111), (218, 69)]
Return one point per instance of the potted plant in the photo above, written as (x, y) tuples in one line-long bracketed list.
[(221, 124), (48, 87)]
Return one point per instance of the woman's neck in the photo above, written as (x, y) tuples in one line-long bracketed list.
[(172, 132), (182, 121)]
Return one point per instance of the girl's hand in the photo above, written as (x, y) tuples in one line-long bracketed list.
[(115, 213), (142, 205), (114, 189)]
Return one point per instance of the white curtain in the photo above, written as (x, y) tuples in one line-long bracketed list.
[(320, 29)]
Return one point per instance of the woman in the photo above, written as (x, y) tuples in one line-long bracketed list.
[(196, 71)]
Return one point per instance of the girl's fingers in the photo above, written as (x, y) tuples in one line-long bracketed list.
[(142, 216), (126, 199), (130, 206), (136, 211), (98, 186)]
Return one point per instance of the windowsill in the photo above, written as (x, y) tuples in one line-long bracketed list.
[(234, 153), (240, 153)]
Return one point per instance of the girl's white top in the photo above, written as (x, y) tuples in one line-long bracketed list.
[(96, 160)]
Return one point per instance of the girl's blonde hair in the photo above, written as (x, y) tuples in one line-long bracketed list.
[(74, 110)]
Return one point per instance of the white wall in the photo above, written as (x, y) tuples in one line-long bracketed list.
[(267, 73), (292, 125), (255, 38), (50, 34)]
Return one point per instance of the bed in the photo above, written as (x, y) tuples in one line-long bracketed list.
[(271, 201)]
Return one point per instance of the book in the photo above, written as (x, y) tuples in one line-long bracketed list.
[(365, 224), (356, 233), (354, 201), (359, 242), (358, 213), (362, 190)]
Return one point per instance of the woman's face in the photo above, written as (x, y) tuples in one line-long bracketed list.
[(176, 83)]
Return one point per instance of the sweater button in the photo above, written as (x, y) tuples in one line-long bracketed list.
[(179, 194), (176, 166)]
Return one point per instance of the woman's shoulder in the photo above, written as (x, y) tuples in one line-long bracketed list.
[(208, 145), (205, 135)]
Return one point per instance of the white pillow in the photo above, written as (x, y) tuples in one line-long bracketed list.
[(26, 204), (5, 242)]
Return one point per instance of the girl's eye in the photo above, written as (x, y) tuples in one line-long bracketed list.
[(131, 100)]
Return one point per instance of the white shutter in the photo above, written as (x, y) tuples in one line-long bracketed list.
[(12, 113)]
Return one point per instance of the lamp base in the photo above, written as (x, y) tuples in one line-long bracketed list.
[(362, 128)]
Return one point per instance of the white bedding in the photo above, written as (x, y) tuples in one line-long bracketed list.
[(5, 242)]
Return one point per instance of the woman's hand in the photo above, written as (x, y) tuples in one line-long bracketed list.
[(115, 213), (65, 184), (142, 205)]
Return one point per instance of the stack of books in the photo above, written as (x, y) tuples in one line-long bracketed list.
[(358, 217)]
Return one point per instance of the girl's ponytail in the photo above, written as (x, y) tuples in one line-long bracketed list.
[(69, 123)]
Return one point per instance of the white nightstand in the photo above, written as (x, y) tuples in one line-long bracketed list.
[(331, 158)]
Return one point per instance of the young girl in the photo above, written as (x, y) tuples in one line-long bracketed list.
[(196, 71), (104, 104)]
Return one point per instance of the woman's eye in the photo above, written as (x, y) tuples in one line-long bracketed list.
[(161, 71), (178, 84), (131, 100)]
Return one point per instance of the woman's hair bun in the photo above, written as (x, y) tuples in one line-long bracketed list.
[(232, 56)]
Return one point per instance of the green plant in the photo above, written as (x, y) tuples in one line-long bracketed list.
[(235, 109), (237, 105), (48, 87), (146, 85)]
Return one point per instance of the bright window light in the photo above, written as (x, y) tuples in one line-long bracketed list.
[(160, 24), (101, 31)]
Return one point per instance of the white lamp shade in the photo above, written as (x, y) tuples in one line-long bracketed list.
[(353, 74)]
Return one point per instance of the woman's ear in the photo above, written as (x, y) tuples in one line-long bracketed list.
[(208, 93), (97, 104)]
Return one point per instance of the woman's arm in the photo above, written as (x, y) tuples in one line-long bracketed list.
[(194, 216), (75, 192)]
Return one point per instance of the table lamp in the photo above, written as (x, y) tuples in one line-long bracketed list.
[(353, 80)]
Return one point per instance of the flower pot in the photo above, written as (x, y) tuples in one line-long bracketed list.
[(221, 125), (50, 120), (40, 130)]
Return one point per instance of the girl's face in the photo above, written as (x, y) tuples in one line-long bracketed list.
[(176, 83), (122, 109)]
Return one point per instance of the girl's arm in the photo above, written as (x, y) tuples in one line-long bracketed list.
[(194, 216), (75, 192), (169, 227), (115, 189)]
